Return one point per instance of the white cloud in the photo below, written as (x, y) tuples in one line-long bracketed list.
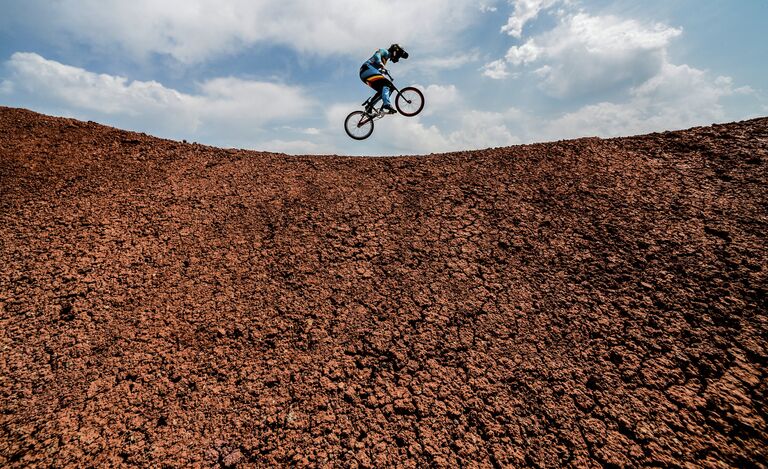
[(81, 89), (475, 130), (525, 11), (440, 98), (196, 30), (441, 63), (254, 102), (229, 108), (485, 129), (496, 69), (527, 53), (584, 53), (336, 113), (6, 87), (409, 135), (621, 65), (678, 97)]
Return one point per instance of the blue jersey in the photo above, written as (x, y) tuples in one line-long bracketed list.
[(379, 58)]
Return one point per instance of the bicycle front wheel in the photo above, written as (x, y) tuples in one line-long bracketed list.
[(410, 101), (358, 125)]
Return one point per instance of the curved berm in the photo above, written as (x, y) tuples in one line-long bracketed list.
[(587, 303)]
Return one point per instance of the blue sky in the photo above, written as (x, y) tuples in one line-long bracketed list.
[(280, 75)]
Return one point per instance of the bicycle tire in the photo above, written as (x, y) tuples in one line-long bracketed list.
[(409, 101), (358, 120)]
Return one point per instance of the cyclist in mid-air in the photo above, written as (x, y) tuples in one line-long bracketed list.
[(372, 74)]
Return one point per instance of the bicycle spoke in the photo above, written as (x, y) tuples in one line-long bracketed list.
[(358, 125)]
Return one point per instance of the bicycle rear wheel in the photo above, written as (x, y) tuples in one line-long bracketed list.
[(409, 101), (358, 125)]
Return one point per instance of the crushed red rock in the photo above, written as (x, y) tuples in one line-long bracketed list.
[(588, 302)]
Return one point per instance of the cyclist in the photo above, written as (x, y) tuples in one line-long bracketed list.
[(372, 74)]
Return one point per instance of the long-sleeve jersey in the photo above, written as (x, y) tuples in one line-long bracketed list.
[(379, 58)]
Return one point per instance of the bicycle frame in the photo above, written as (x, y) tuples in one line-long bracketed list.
[(377, 95), (369, 117)]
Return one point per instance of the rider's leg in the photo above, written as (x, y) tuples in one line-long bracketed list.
[(373, 78), (385, 95), (375, 99), (378, 86)]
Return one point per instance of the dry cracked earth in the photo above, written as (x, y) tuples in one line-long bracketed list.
[(581, 303)]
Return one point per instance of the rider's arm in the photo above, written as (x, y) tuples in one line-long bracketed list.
[(379, 57)]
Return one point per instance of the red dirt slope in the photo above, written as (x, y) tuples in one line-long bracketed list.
[(589, 302)]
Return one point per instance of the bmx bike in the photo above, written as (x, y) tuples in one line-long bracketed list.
[(409, 101)]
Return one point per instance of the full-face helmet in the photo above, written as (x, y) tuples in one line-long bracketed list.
[(396, 53)]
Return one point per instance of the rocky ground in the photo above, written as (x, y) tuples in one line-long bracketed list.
[(587, 303)]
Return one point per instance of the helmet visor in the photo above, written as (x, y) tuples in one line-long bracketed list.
[(399, 53)]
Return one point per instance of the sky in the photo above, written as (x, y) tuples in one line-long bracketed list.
[(281, 75)]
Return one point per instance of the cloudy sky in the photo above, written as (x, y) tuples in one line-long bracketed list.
[(281, 75)]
